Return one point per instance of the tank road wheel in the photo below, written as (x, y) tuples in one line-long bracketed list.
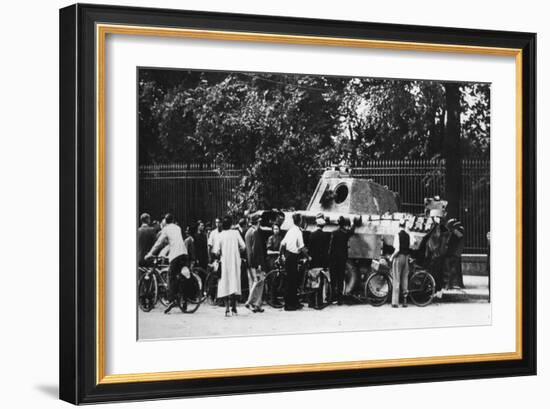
[(323, 295), (351, 277), (377, 289), (274, 289), (421, 288), (147, 292)]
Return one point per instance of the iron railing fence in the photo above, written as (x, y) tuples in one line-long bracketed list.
[(202, 191)]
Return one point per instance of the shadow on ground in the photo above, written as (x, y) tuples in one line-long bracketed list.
[(50, 390)]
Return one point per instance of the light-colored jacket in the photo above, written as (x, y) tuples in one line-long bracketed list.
[(170, 235)]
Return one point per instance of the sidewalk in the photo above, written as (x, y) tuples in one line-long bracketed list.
[(476, 290)]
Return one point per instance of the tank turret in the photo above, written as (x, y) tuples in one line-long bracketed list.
[(339, 192)]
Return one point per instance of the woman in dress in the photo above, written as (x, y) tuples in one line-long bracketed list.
[(228, 247)]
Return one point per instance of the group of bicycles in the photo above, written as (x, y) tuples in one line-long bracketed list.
[(153, 286), (197, 285), (374, 288)]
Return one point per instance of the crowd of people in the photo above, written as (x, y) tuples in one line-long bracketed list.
[(228, 244)]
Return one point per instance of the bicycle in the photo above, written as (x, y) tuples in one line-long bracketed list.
[(153, 287), (189, 290), (153, 284), (421, 287), (314, 287), (378, 286), (210, 289)]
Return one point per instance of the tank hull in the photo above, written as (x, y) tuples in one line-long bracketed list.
[(372, 232), (372, 208)]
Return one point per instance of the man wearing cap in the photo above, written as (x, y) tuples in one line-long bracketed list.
[(318, 245), (146, 237), (255, 252), (338, 256), (400, 265)]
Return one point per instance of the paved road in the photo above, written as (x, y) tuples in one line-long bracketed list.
[(210, 321), (457, 308)]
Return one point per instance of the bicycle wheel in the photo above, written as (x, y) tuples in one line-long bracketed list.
[(192, 288), (211, 289), (163, 287), (147, 292), (421, 288), (274, 289), (377, 289), (203, 275), (323, 295)]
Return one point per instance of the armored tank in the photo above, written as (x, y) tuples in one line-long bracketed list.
[(373, 209)]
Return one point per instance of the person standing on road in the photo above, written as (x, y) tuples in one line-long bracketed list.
[(171, 236), (213, 237), (228, 247), (201, 245), (452, 261), (242, 228), (338, 256), (255, 252), (318, 246), (146, 237), (189, 241), (400, 265), (273, 246), (291, 247)]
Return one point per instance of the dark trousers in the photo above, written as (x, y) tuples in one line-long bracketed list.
[(291, 290), (452, 272), (435, 268), (174, 270), (337, 275)]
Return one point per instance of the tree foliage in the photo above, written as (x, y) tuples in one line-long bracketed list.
[(281, 128)]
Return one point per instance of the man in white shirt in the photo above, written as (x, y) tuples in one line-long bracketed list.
[(171, 237), (214, 236), (291, 246)]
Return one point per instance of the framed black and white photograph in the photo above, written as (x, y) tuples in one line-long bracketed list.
[(259, 153), (256, 203)]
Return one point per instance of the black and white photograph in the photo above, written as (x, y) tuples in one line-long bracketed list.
[(287, 203)]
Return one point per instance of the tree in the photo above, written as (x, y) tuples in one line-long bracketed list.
[(282, 128), (451, 149)]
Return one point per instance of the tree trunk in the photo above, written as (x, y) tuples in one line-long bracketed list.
[(451, 150)]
